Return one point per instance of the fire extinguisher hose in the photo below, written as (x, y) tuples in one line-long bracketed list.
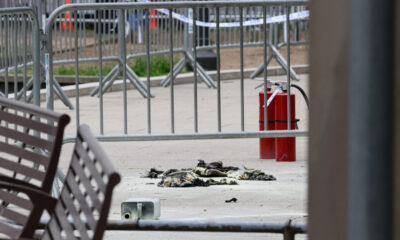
[(302, 93)]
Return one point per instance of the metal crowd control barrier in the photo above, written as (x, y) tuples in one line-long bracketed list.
[(88, 29), (19, 50), (168, 9)]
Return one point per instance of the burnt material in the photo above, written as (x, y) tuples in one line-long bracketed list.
[(231, 200)]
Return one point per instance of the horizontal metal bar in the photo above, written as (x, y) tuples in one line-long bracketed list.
[(112, 58), (201, 226), (196, 136), (154, 53), (257, 44), (85, 60), (20, 66), (18, 10), (178, 4)]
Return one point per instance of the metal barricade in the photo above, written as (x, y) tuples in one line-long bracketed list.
[(20, 53), (168, 9), (134, 21)]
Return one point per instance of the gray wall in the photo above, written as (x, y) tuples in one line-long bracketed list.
[(329, 54), (335, 181)]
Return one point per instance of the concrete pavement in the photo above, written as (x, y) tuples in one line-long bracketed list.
[(278, 200)]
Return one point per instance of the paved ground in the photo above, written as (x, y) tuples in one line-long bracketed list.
[(257, 201)]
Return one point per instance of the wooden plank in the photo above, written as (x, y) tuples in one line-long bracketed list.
[(16, 200), (54, 230), (90, 165), (22, 169), (14, 216), (64, 223), (82, 201), (12, 231), (25, 122), (24, 154), (77, 221), (88, 187), (26, 138)]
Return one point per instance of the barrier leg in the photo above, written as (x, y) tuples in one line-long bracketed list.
[(202, 73), (28, 86), (135, 82), (110, 82), (134, 79), (106, 79), (260, 68), (61, 94), (281, 60), (167, 79), (177, 69)]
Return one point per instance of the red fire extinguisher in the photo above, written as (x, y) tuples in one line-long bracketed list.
[(267, 145), (285, 148)]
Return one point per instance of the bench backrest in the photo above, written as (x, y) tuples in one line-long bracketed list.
[(82, 209)]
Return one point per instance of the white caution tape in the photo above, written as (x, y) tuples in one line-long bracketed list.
[(253, 22)]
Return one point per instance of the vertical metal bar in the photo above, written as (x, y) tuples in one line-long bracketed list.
[(24, 56), (70, 36), (100, 16), (114, 39), (218, 70), (156, 24), (288, 65), (6, 56), (130, 17), (76, 70), (15, 56), (84, 37), (265, 69), (1, 41), (55, 45), (61, 37), (241, 70), (230, 29), (171, 67), (154, 32), (122, 54), (81, 23), (109, 31), (36, 61), (196, 122), (148, 71), (96, 30)]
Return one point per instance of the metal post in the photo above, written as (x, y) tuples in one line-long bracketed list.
[(265, 69), (196, 122), (241, 70), (371, 120), (218, 70), (148, 70), (171, 62), (289, 121), (122, 55)]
